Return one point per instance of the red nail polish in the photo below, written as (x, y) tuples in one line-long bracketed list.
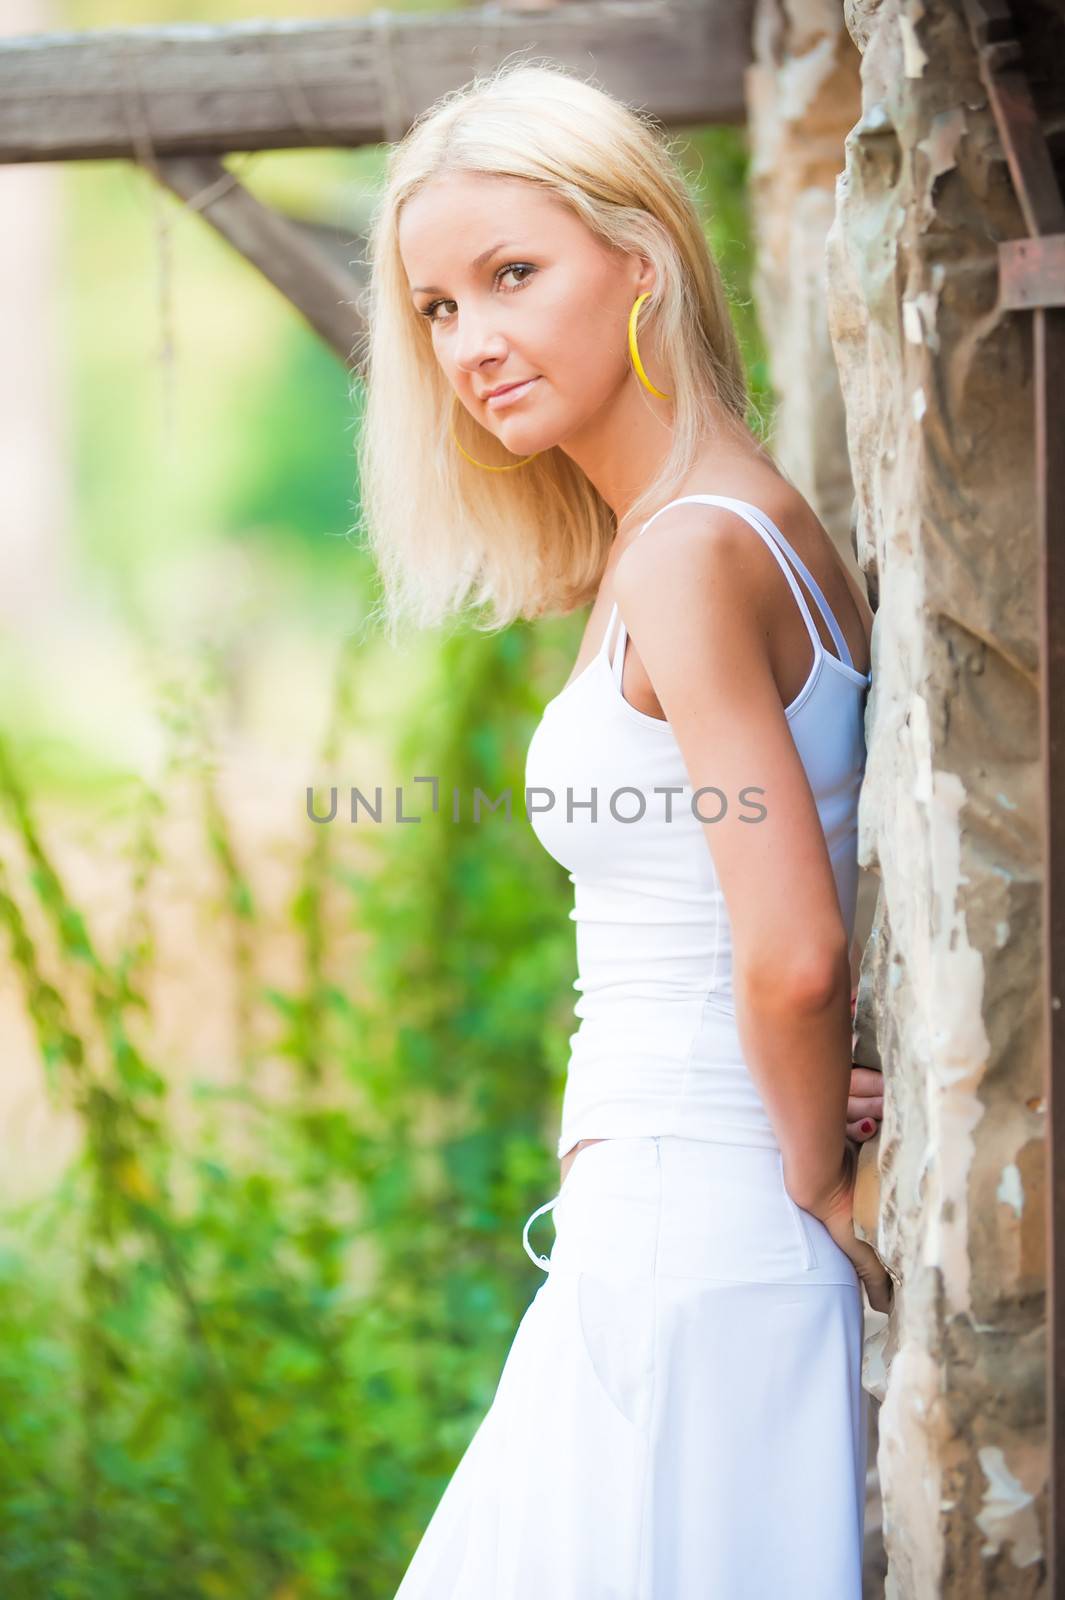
[(867, 1127)]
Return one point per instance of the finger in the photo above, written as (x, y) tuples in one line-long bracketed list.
[(874, 1277), (866, 1080), (862, 1131), (869, 1267), (858, 1106)]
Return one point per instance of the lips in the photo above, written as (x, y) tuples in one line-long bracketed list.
[(512, 395), (504, 387)]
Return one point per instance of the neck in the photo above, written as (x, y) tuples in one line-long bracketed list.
[(625, 446), (720, 458)]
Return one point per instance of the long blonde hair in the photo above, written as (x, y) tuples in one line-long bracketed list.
[(533, 541)]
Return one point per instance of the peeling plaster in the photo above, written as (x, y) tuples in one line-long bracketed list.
[(941, 144), (940, 150), (875, 119), (1010, 1190), (919, 318), (1008, 1513), (914, 58), (921, 743), (798, 84), (908, 1458), (959, 1047), (956, 1046)]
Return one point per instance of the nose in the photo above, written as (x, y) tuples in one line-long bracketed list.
[(477, 343)]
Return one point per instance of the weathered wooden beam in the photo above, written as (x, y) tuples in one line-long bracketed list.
[(194, 90), (289, 253)]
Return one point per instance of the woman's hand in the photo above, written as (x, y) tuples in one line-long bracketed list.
[(571, 1155), (865, 1104), (836, 1211)]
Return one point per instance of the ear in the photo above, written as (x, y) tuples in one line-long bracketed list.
[(647, 277)]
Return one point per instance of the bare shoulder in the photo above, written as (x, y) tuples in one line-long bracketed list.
[(686, 552), (694, 547)]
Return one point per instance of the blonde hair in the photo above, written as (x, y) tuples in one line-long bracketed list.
[(534, 540)]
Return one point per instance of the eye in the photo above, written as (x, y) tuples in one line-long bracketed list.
[(516, 266), (429, 312)]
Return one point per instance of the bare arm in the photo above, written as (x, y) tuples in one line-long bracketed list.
[(694, 600)]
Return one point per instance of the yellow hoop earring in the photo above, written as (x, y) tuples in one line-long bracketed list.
[(633, 350), (509, 467)]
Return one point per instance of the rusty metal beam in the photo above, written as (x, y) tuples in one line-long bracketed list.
[(1032, 273), (1032, 276)]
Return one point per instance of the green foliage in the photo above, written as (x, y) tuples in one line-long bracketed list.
[(284, 480), (716, 160), (247, 1366)]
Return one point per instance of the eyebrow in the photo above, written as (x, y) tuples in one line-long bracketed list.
[(479, 262)]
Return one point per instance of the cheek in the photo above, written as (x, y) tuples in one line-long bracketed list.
[(579, 342)]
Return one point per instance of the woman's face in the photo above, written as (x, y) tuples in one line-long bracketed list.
[(515, 287)]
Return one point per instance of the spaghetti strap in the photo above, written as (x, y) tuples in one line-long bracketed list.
[(604, 648), (811, 582), (771, 535)]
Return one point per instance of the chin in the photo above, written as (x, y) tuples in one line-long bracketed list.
[(523, 441), (522, 435)]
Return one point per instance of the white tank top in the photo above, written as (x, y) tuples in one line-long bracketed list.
[(657, 1049)]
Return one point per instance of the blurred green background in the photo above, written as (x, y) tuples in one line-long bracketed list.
[(278, 1097)]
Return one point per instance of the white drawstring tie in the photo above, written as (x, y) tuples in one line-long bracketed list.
[(543, 1262)]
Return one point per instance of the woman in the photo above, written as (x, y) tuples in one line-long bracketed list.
[(680, 1414)]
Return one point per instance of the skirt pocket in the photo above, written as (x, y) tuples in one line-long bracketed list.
[(823, 1260), (798, 1224), (615, 1324), (726, 1216)]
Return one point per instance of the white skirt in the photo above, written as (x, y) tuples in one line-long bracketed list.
[(680, 1415)]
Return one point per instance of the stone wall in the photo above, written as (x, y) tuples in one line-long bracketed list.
[(937, 385), (803, 96)]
